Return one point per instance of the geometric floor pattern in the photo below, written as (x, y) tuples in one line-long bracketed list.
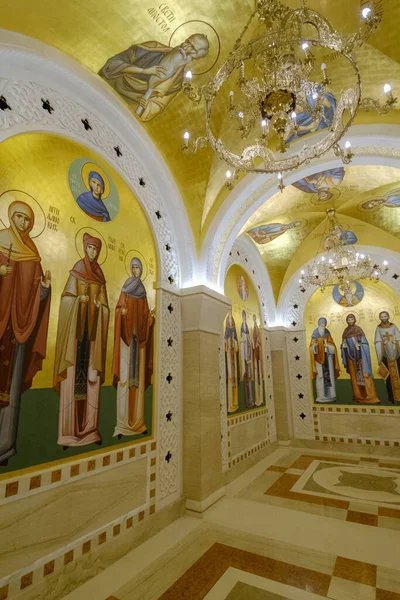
[(228, 572), (358, 490), (299, 525)]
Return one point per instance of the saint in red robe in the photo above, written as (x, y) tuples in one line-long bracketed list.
[(133, 353), (24, 318), (79, 368)]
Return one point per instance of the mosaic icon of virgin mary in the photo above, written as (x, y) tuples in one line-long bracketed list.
[(93, 189)]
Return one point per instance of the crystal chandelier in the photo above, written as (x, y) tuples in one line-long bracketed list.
[(275, 88), (340, 263)]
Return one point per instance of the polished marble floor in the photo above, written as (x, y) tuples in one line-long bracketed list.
[(361, 490), (299, 525)]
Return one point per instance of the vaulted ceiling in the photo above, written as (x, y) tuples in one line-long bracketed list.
[(93, 31), (350, 191)]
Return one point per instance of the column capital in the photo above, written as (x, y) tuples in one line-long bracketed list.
[(203, 309)]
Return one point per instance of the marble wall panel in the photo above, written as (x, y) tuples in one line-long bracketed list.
[(386, 427), (280, 383), (247, 434), (201, 413), (39, 525)]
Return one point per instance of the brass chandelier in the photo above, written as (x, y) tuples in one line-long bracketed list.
[(338, 262), (275, 90)]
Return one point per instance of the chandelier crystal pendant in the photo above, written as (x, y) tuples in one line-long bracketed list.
[(340, 264), (275, 89)]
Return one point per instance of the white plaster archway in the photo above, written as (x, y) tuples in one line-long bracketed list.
[(290, 314), (30, 71), (373, 145), (245, 254)]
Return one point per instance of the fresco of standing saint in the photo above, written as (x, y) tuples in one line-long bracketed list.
[(24, 318), (324, 362), (387, 346), (151, 74), (246, 355), (257, 362), (132, 365), (356, 359), (79, 368), (232, 363)]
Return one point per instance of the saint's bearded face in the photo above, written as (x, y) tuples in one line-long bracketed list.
[(196, 46), (21, 221), (384, 317), (136, 271), (351, 320), (91, 252)]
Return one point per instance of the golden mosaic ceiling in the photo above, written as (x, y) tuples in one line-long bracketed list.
[(92, 32), (287, 239)]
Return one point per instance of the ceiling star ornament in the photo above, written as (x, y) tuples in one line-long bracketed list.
[(274, 88), (339, 263)]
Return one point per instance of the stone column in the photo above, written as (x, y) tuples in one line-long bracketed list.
[(203, 314), (281, 384)]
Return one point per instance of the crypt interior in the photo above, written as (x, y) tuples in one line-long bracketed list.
[(199, 300)]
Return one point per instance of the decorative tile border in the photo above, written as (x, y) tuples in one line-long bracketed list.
[(53, 563), (248, 416), (246, 453), (354, 439), (26, 484)]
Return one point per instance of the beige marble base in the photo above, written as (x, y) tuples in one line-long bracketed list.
[(249, 462), (247, 434), (367, 450), (37, 526), (72, 576), (385, 427)]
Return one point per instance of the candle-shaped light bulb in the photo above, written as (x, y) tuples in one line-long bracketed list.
[(366, 12), (347, 145), (387, 88), (231, 97), (293, 116), (186, 137), (300, 281), (315, 95), (264, 126), (305, 46), (323, 67), (189, 75), (302, 272), (241, 115), (385, 262), (228, 174), (323, 259), (280, 176)]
